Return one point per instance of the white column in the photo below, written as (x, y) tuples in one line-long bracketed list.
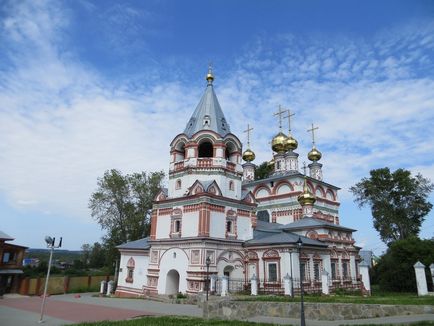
[(287, 285), (254, 285), (364, 272), (225, 284), (325, 282), (419, 269)]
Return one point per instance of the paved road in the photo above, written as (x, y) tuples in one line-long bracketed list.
[(69, 309)]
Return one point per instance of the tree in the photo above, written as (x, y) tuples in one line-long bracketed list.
[(263, 171), (395, 271), (398, 202), (121, 206)]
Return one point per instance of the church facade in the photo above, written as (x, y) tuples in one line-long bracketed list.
[(215, 211)]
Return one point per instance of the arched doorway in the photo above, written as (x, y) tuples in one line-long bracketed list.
[(172, 282), (228, 270)]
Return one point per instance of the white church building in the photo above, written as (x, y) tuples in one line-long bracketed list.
[(213, 208)]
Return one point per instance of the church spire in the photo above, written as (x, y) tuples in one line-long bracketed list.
[(208, 114)]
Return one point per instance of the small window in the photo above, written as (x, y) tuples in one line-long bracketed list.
[(278, 165), (206, 149), (206, 121), (231, 185), (333, 265), (6, 257), (178, 184), (177, 226), (272, 272), (316, 269), (229, 226), (130, 276), (303, 271), (345, 270)]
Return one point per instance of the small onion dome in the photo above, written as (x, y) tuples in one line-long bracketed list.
[(278, 144), (209, 76), (248, 155), (271, 162), (306, 197), (291, 143), (314, 155)]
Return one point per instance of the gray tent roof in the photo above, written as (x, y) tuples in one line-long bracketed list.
[(208, 106), (138, 244), (4, 236), (312, 222)]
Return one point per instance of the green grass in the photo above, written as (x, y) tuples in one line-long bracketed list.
[(380, 298), (418, 323), (175, 321)]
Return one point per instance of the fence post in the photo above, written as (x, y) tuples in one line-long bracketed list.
[(325, 283), (224, 286), (419, 269), (110, 286), (287, 285), (364, 272), (102, 287), (253, 285), (65, 284), (431, 267), (213, 279)]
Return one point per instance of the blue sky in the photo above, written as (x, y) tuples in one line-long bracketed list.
[(87, 86)]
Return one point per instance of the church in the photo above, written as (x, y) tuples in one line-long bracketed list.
[(215, 220)]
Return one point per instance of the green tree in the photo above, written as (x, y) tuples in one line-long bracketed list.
[(121, 206), (398, 202), (395, 271), (263, 171)]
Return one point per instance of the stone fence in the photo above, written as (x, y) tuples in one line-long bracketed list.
[(230, 309)]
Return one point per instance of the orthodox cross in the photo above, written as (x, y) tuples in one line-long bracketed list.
[(304, 168), (248, 130), (289, 120), (313, 133), (279, 113)]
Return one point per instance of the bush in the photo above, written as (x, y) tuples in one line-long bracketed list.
[(395, 271)]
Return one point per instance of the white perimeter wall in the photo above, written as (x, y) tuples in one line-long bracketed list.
[(140, 270), (178, 263)]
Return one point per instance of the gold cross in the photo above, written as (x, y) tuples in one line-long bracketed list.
[(304, 168), (289, 120), (279, 113), (313, 133), (248, 130)]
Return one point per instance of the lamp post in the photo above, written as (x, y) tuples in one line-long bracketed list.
[(208, 262), (50, 244), (302, 320)]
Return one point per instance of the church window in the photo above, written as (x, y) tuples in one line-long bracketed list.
[(206, 121), (229, 226), (278, 165), (345, 273), (231, 185), (223, 124), (334, 274), (177, 226), (205, 149), (316, 270), (178, 184), (272, 272)]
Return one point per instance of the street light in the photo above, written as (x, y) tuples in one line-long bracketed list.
[(302, 320), (208, 262), (50, 244)]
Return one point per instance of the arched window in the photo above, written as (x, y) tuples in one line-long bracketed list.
[(177, 225), (231, 185), (178, 184), (229, 226), (205, 149)]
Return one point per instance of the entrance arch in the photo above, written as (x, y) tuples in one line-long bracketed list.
[(172, 282), (228, 270)]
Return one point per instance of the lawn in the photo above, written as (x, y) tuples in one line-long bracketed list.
[(379, 298), (175, 321)]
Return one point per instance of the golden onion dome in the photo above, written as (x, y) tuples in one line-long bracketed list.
[(278, 143), (248, 155), (306, 197), (291, 143), (314, 155)]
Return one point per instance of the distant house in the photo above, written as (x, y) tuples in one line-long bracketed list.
[(11, 265)]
